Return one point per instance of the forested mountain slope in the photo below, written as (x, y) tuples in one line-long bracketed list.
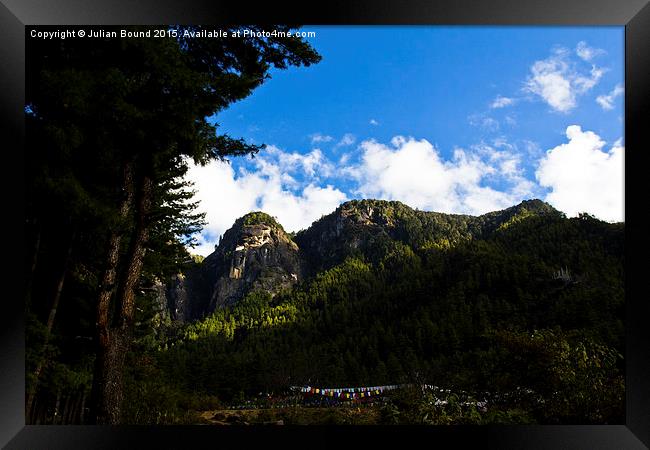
[(522, 300), (257, 253)]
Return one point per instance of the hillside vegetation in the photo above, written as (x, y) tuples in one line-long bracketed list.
[(523, 307)]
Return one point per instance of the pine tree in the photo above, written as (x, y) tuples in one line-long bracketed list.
[(121, 120)]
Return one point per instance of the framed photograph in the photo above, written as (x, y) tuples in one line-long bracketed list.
[(358, 222)]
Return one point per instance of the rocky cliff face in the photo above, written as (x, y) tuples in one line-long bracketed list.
[(181, 298), (352, 228), (255, 253)]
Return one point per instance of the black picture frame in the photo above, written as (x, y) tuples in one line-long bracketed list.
[(15, 15)]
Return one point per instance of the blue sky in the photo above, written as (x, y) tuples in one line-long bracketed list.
[(453, 119)]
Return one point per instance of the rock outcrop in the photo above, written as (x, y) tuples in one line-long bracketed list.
[(350, 229), (255, 253)]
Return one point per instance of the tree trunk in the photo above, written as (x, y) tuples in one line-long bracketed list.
[(107, 288), (37, 407), (36, 413), (72, 410), (66, 410), (50, 323), (83, 407), (115, 342), (56, 407), (72, 407), (111, 389), (59, 286), (137, 250), (30, 416)]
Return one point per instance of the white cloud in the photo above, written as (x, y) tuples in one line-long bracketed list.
[(532, 148), (607, 101), (412, 171), (501, 102), (583, 177), (558, 81), (583, 83), (345, 157), (506, 158), (347, 139), (484, 122), (310, 164), (225, 196), (588, 53), (318, 138), (490, 123), (373, 122)]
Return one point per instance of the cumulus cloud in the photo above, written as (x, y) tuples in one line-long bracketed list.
[(373, 122), (583, 177), (558, 81), (347, 139), (587, 53), (317, 138), (284, 185), (607, 101), (507, 159), (413, 172), (501, 102), (283, 163)]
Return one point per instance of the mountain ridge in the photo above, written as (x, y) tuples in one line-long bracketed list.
[(256, 253)]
